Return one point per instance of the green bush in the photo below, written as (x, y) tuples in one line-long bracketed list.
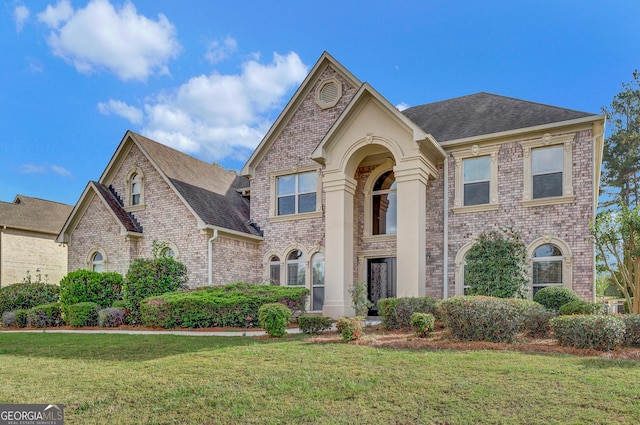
[(313, 325), (111, 317), (554, 297), (45, 315), (82, 286), (535, 317), (396, 312), (477, 318), (149, 277), (350, 328), (82, 314), (22, 318), (422, 324), (600, 332), (232, 305), (119, 304), (9, 319), (582, 307), (632, 329), (23, 296), (274, 318)]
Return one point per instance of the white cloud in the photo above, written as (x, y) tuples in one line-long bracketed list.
[(20, 15), (401, 106), (61, 171), (42, 169), (101, 37), (116, 107), (217, 50), (222, 116)]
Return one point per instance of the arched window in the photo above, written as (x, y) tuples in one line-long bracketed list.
[(97, 262), (168, 253), (296, 269), (384, 205), (136, 189), (317, 282), (274, 270), (462, 288), (547, 267)]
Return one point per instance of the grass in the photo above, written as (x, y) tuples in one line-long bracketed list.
[(166, 379)]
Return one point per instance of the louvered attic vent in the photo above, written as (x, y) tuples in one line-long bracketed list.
[(328, 93)]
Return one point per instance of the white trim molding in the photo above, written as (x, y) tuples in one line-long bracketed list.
[(475, 152)]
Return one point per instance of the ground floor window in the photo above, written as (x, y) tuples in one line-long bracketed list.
[(317, 283), (97, 262), (296, 269), (274, 270), (547, 267)]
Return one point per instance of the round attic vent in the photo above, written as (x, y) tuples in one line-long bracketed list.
[(328, 93)]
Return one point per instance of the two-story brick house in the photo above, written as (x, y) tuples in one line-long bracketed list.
[(345, 187)]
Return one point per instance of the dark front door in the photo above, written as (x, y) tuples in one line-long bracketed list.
[(381, 280)]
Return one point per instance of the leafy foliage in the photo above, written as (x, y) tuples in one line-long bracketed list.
[(535, 317), (554, 297), (359, 300), (82, 314), (478, 318), (632, 330), (273, 318), (313, 325), (495, 265), (582, 307), (396, 312), (46, 315), (422, 324), (111, 317), (350, 328), (88, 286), (231, 305), (148, 277), (589, 331), (26, 295)]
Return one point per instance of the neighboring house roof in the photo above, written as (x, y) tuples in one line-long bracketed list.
[(485, 113), (34, 214)]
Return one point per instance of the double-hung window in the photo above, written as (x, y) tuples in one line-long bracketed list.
[(477, 180), (296, 193), (547, 165)]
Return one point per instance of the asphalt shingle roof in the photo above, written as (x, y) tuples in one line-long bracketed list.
[(484, 113), (114, 204), (34, 214)]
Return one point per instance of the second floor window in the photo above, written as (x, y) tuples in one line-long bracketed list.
[(135, 189), (546, 169), (297, 193), (477, 179), (384, 205)]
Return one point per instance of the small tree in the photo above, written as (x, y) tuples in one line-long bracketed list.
[(495, 265), (617, 237), (359, 300)]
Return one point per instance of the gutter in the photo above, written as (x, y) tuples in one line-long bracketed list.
[(210, 254), (445, 292)]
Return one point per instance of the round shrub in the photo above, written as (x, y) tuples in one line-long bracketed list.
[(396, 312), (111, 317), (82, 286), (350, 328), (82, 314), (535, 317), (22, 296), (599, 332), (274, 318), (632, 329), (582, 307), (477, 318), (9, 319), (313, 325), (422, 324), (554, 297), (46, 315)]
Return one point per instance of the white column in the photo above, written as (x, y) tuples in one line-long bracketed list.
[(339, 190)]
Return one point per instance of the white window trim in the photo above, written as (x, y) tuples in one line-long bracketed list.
[(368, 235), (567, 179), (128, 195), (266, 266), (459, 268), (273, 204), (475, 152), (313, 253), (567, 259), (89, 261)]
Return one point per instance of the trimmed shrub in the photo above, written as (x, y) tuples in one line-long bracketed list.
[(233, 305), (632, 329), (82, 286), (9, 319), (396, 312), (274, 318), (478, 318), (119, 304), (350, 328), (111, 317), (23, 296), (422, 324), (82, 314), (554, 297), (599, 332), (149, 277), (313, 325), (44, 316), (582, 307), (22, 318), (535, 317)]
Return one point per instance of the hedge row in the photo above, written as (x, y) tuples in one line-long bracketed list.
[(23, 296), (396, 312), (232, 305)]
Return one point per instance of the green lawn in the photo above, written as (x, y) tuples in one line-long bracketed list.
[(163, 379)]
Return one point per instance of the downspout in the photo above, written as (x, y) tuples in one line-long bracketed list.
[(446, 229), (210, 254)]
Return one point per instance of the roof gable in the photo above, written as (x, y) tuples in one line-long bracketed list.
[(38, 215)]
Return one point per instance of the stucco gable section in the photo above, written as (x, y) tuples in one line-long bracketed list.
[(325, 61)]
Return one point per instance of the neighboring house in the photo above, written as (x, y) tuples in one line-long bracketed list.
[(345, 187), (28, 230)]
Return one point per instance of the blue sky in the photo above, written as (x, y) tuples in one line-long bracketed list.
[(209, 78)]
